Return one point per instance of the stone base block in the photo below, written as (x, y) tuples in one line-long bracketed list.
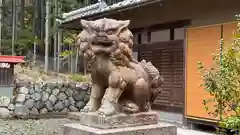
[(117, 121), (156, 129)]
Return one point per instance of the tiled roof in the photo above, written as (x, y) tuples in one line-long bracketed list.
[(111, 8), (89, 8)]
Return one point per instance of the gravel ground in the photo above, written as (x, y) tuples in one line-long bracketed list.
[(41, 127), (53, 127), (192, 132)]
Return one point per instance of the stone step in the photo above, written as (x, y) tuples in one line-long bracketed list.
[(156, 129)]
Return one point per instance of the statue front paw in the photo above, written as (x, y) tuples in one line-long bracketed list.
[(107, 110), (89, 108)]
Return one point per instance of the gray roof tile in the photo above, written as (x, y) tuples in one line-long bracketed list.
[(116, 6)]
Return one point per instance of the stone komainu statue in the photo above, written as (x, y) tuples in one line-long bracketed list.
[(119, 82)]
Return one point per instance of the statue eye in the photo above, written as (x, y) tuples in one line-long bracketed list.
[(111, 31), (96, 29)]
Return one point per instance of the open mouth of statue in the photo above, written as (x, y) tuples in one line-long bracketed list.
[(102, 41), (103, 45)]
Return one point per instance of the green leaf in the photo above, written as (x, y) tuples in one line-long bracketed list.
[(222, 82)]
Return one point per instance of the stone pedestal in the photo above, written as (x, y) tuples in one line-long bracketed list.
[(145, 123), (156, 129), (117, 121)]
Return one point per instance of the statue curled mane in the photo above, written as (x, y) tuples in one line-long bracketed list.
[(120, 40)]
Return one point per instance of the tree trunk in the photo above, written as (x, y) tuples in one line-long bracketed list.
[(1, 14), (47, 36), (59, 48), (76, 63), (34, 31), (59, 38), (17, 21), (85, 66), (41, 8), (72, 58), (55, 35), (13, 25), (22, 14)]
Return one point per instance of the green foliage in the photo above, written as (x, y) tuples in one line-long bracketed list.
[(232, 122), (69, 39), (78, 78), (24, 36), (65, 53), (69, 5), (222, 81)]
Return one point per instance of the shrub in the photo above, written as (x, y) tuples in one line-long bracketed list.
[(78, 78), (222, 81)]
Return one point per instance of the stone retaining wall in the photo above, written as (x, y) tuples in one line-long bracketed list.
[(40, 98)]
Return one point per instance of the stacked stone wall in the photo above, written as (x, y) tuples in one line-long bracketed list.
[(31, 99)]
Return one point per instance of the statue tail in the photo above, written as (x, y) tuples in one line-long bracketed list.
[(156, 80)]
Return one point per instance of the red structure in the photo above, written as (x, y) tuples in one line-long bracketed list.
[(11, 59), (7, 68)]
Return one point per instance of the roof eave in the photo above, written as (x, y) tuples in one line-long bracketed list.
[(96, 6), (103, 13)]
